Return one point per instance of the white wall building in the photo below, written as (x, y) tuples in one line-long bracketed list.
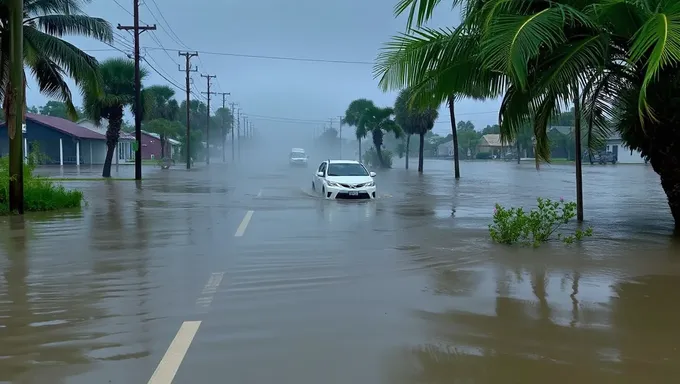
[(623, 154), (124, 148)]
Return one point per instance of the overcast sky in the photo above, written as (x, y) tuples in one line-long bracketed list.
[(284, 94)]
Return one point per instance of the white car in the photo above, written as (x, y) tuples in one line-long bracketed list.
[(344, 179), (298, 157)]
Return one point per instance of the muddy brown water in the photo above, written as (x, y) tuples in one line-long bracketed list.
[(405, 289)]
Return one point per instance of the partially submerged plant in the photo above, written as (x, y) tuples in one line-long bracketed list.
[(514, 225)]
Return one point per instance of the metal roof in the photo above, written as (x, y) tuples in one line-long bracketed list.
[(65, 126)]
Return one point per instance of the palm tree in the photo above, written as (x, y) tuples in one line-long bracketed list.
[(49, 58), (378, 121), (438, 66), (414, 120), (353, 115), (118, 93)]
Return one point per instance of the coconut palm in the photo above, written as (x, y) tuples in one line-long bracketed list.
[(618, 60), (160, 114), (414, 120), (353, 114), (368, 118), (438, 66), (49, 58), (118, 75)]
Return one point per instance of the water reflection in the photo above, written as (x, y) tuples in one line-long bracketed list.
[(621, 331), (42, 309)]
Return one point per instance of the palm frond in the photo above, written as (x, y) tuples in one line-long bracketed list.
[(81, 67), (515, 39), (47, 7), (657, 43), (80, 25)]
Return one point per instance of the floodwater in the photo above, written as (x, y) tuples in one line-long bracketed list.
[(258, 281)]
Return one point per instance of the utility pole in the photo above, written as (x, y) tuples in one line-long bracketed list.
[(187, 69), (207, 129), (340, 134), (232, 131), (224, 132), (238, 132), (136, 31), (245, 127)]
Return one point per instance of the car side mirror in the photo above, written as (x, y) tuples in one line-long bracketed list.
[(320, 174), (372, 174)]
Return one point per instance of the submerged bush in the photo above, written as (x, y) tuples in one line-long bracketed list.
[(371, 157), (514, 225), (40, 194)]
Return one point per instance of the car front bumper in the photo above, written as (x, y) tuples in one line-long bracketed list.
[(342, 193)]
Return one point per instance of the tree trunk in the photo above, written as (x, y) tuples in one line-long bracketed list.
[(670, 182), (112, 135), (15, 107), (408, 148), (377, 142), (577, 145), (518, 149), (454, 133), (163, 141), (420, 152), (359, 150)]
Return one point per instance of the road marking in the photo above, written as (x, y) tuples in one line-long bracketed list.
[(210, 289), (244, 224), (167, 368), (259, 194)]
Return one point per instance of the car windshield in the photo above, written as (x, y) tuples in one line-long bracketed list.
[(347, 169), (297, 155)]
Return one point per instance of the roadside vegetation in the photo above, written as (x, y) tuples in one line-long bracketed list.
[(40, 193), (537, 226)]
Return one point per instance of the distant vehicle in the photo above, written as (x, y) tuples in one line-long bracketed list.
[(344, 179), (601, 157), (298, 157)]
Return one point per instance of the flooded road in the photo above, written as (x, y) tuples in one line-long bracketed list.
[(228, 274)]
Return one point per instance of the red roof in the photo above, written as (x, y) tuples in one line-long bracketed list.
[(65, 126)]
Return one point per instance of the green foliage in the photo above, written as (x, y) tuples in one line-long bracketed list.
[(514, 225), (371, 158), (40, 194), (48, 58), (483, 156)]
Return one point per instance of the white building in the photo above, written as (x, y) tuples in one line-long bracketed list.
[(624, 155), (124, 149)]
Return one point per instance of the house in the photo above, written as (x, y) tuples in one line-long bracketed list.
[(124, 149), (61, 141), (151, 146), (623, 153), (445, 149), (491, 143)]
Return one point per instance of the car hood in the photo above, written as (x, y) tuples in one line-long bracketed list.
[(350, 179)]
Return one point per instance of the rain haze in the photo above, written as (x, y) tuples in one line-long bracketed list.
[(287, 251)]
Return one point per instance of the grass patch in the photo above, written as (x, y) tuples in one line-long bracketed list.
[(40, 193)]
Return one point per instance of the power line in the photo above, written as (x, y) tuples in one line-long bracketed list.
[(266, 57)]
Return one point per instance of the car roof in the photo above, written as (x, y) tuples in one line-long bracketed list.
[(343, 162)]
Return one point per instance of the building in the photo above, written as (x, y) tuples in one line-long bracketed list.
[(151, 146), (124, 149), (61, 141), (624, 155), (491, 143), (445, 150)]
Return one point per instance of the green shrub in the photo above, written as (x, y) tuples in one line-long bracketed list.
[(371, 157), (514, 225), (483, 156), (40, 194)]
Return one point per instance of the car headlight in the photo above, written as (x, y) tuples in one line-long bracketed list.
[(370, 184), (332, 183)]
